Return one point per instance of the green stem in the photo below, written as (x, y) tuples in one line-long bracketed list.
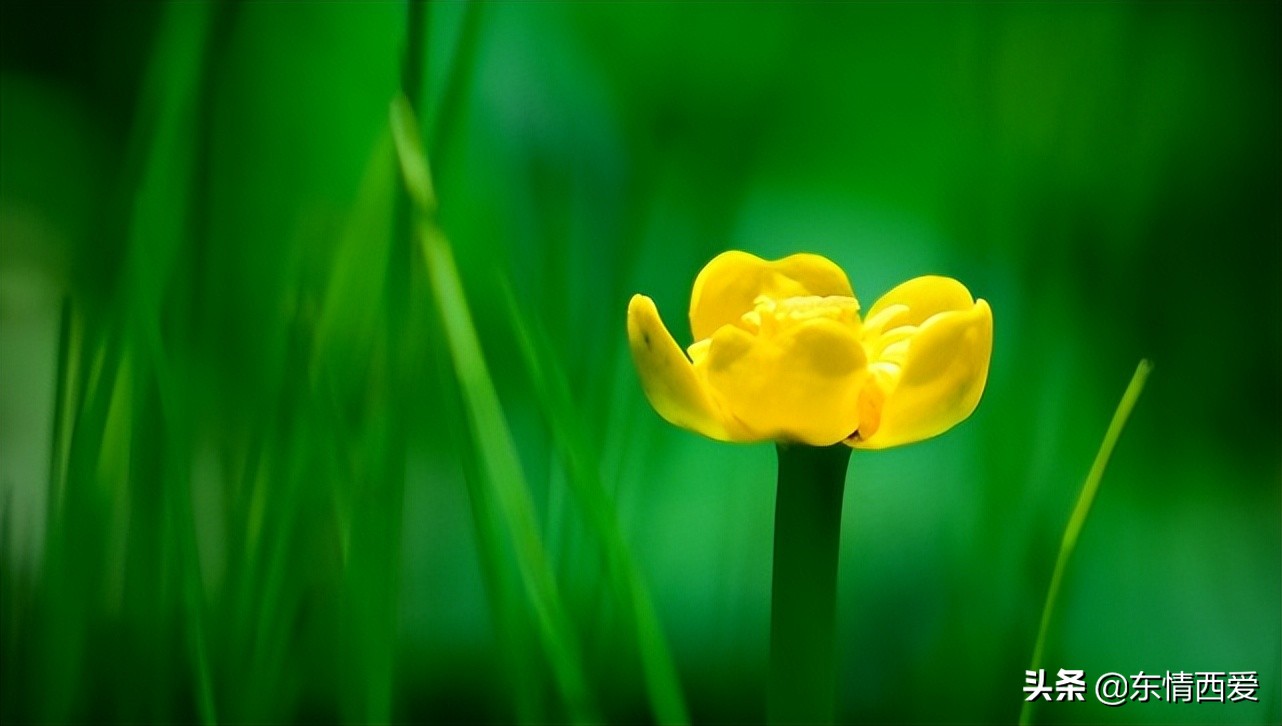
[(803, 595)]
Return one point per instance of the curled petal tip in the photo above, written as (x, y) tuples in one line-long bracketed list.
[(942, 379), (668, 378)]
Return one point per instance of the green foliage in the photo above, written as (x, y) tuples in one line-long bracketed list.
[(294, 427)]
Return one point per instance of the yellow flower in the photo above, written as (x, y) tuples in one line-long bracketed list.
[(781, 353)]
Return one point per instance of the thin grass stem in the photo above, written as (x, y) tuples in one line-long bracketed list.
[(1078, 518), (62, 392), (663, 686), (500, 464)]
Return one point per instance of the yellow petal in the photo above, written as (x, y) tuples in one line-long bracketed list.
[(669, 379), (942, 378), (913, 302), (801, 384), (727, 286)]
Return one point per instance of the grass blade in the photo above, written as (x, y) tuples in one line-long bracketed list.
[(1080, 512), (583, 474), (499, 462)]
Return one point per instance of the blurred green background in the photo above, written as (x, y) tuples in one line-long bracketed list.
[(240, 479)]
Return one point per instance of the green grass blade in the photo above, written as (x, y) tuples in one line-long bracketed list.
[(500, 464), (459, 78), (414, 170), (510, 622), (159, 229), (62, 393), (504, 475), (178, 509), (1078, 517), (358, 331), (583, 474)]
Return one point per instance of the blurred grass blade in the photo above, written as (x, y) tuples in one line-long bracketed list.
[(117, 459), (64, 393), (502, 469), (414, 170), (175, 425), (1080, 512), (511, 623), (350, 320), (159, 231), (583, 474), (460, 77), (504, 476), (352, 333)]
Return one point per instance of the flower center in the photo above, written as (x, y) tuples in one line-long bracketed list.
[(769, 315), (886, 345), (791, 368)]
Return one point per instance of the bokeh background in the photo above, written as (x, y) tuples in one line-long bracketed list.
[(244, 479)]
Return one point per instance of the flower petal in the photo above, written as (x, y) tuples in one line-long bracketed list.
[(941, 380), (920, 298), (727, 286), (668, 378), (801, 384)]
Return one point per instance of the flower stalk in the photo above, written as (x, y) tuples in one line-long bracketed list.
[(803, 595)]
